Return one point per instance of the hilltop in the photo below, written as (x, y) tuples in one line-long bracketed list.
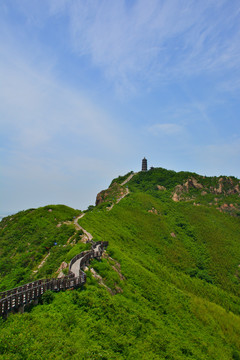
[(167, 287), (222, 193)]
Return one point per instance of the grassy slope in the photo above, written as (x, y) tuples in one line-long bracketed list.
[(27, 237), (180, 298)]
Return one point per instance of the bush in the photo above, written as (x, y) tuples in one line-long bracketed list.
[(47, 297), (235, 355)]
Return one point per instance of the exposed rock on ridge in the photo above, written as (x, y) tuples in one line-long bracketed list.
[(111, 194), (225, 186)]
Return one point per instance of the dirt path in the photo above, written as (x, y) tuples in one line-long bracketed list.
[(119, 199), (126, 193), (42, 263), (89, 236), (128, 179)]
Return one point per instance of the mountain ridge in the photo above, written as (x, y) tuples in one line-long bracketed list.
[(170, 278), (224, 187)]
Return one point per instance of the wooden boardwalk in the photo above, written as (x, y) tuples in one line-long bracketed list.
[(16, 299)]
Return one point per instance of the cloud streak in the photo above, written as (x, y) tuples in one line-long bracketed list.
[(54, 139), (147, 42), (154, 40), (36, 109)]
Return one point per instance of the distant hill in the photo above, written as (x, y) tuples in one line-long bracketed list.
[(167, 288)]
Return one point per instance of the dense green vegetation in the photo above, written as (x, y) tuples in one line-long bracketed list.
[(158, 176), (27, 237), (120, 179), (220, 192), (171, 275)]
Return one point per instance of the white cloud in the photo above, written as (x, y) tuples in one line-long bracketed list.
[(152, 39), (146, 41), (53, 137), (36, 109)]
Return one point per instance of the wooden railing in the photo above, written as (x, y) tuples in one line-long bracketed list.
[(23, 295)]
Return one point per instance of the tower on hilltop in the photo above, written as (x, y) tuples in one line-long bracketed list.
[(144, 164)]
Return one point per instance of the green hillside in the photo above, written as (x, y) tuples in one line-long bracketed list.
[(28, 237), (167, 288)]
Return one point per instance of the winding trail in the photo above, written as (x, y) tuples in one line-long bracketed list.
[(78, 227), (42, 263), (128, 179), (16, 299), (126, 192), (75, 267)]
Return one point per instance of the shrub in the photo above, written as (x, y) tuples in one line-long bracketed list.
[(47, 297)]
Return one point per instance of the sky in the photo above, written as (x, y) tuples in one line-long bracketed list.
[(89, 87)]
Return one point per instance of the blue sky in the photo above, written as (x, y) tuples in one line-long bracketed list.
[(88, 88)]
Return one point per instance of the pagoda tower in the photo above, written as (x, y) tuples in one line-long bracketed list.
[(144, 164)]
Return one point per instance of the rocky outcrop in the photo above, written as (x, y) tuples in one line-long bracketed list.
[(235, 190), (114, 192), (153, 211), (222, 187), (225, 186), (160, 187), (175, 197), (192, 183), (219, 190), (100, 197), (60, 272), (179, 189), (63, 265)]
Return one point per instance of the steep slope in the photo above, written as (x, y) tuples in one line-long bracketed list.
[(171, 276), (33, 243)]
